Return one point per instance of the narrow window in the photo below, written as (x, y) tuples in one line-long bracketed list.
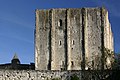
[(73, 42), (72, 64), (60, 43), (60, 22)]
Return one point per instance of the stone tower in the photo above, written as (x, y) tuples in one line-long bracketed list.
[(66, 39)]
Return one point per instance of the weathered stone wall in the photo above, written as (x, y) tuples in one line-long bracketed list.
[(58, 39), (108, 39), (42, 46), (67, 38), (55, 75), (74, 31), (37, 75), (93, 36)]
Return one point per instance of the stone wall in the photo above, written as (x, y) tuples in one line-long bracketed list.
[(42, 49), (74, 36), (58, 39), (55, 75), (93, 38), (36, 75), (67, 39)]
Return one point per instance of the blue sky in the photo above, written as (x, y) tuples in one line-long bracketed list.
[(17, 24)]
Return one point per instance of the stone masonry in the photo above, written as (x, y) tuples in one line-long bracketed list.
[(43, 75), (67, 39), (35, 75)]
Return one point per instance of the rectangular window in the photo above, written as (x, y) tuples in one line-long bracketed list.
[(73, 42), (60, 22), (72, 64)]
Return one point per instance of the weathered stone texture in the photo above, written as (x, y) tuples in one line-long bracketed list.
[(74, 33), (43, 29), (59, 43), (65, 38), (93, 34), (36, 75)]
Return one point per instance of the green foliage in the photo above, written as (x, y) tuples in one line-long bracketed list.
[(74, 77)]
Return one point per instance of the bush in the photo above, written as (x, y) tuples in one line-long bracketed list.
[(74, 77)]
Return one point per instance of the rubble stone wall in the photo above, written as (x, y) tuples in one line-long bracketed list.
[(36, 75)]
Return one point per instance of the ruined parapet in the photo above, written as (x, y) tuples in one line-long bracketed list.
[(71, 39)]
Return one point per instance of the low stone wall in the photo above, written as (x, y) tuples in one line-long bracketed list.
[(36, 75), (51, 75)]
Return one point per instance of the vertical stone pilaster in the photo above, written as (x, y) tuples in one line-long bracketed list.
[(36, 39), (68, 39), (53, 41)]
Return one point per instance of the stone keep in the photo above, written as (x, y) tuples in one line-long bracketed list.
[(65, 39)]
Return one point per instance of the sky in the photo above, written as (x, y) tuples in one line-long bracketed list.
[(17, 24)]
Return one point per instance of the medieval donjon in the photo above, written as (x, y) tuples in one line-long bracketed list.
[(67, 38)]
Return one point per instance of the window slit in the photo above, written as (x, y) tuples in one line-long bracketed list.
[(60, 43)]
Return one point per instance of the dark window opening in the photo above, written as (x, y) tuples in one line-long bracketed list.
[(62, 69), (60, 23), (60, 43), (73, 42), (72, 64)]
